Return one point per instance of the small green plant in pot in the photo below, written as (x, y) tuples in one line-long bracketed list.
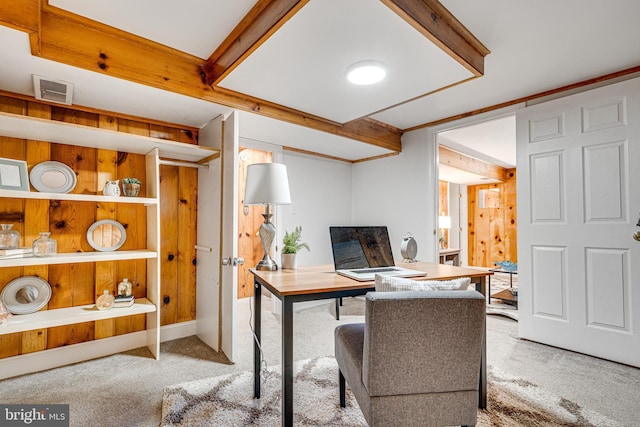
[(131, 187), (291, 245)]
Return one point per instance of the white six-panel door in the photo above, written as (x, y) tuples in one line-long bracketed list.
[(578, 205)]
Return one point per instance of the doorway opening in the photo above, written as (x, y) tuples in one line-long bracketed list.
[(249, 221), (477, 202)]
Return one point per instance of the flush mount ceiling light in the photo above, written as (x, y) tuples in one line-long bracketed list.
[(366, 72)]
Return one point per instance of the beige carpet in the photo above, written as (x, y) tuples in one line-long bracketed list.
[(227, 401)]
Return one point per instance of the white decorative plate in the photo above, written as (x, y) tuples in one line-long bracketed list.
[(53, 177), (26, 294)]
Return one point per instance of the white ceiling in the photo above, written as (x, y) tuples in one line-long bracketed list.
[(535, 46), (303, 64)]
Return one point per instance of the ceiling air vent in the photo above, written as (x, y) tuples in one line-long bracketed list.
[(52, 90)]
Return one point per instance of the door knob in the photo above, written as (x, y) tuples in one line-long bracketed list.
[(232, 261), (636, 236)]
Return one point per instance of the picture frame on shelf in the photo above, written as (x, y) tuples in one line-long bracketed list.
[(14, 175)]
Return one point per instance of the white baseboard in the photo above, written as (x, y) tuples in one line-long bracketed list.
[(61, 356), (177, 330)]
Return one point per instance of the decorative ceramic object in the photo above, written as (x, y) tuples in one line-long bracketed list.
[(507, 266), (9, 238), (112, 188), (106, 235), (131, 187), (408, 248), (125, 288), (105, 301), (26, 294), (5, 314), (53, 177), (44, 246)]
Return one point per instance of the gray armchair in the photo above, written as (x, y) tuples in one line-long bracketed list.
[(416, 359)]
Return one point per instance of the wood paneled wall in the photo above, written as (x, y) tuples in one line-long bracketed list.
[(68, 221), (493, 230)]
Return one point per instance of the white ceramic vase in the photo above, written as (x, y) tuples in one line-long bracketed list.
[(289, 261)]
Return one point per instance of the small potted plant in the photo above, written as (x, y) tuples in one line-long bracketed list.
[(291, 245), (131, 187)]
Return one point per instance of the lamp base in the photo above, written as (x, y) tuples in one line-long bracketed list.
[(267, 265)]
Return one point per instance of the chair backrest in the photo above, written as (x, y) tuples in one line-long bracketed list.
[(422, 341)]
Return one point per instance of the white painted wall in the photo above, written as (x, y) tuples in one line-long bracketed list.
[(327, 192), (401, 192), (321, 197)]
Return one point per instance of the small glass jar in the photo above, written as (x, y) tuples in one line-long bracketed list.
[(125, 288), (9, 238), (105, 301), (44, 246)]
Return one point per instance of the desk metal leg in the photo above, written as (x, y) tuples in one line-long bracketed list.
[(287, 362), (482, 395), (257, 324)]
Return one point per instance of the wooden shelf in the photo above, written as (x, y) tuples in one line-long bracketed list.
[(76, 197), (33, 128), (71, 315), (76, 257)]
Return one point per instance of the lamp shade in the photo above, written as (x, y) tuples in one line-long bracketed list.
[(444, 222), (267, 184)]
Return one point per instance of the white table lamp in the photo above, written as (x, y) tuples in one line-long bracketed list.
[(267, 184), (444, 223)]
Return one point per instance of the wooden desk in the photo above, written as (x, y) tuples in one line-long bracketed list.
[(321, 282)]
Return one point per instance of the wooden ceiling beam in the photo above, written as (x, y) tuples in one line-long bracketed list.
[(20, 14), (80, 42), (363, 130), (436, 23), (262, 21), (466, 163)]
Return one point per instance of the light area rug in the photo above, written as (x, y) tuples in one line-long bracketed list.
[(227, 401)]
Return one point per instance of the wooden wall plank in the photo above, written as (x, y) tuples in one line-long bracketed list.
[(70, 221), (37, 220), (134, 219), (493, 230), (510, 217), (10, 345), (169, 244), (105, 272), (72, 334), (187, 228), (186, 136), (12, 211)]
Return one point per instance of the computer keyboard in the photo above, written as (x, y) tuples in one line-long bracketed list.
[(374, 270)]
